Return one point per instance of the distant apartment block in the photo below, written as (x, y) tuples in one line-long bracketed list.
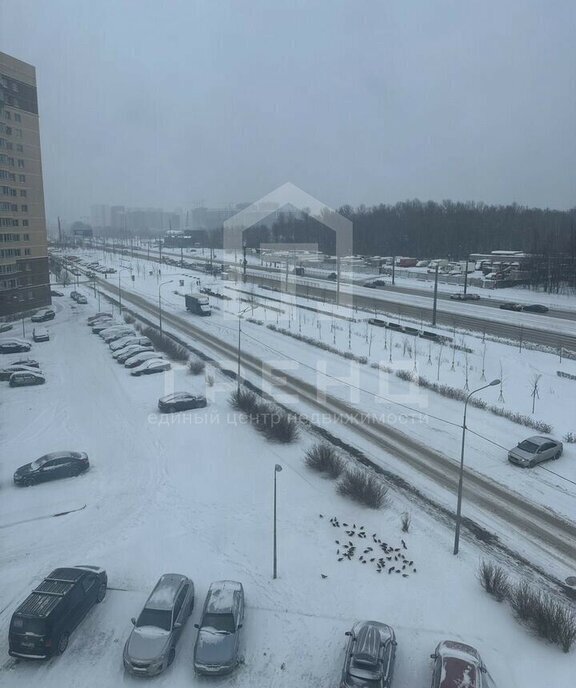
[(24, 274)]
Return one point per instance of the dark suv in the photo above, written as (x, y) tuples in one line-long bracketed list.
[(41, 625)]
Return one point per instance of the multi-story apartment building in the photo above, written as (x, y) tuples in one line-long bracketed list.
[(24, 274)]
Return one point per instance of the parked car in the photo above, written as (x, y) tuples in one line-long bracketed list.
[(154, 365), (26, 378), (111, 336), (370, 656), (61, 464), (217, 645), (55, 292), (40, 334), (103, 324), (74, 295), (151, 646), (465, 297), (136, 359), (28, 362), (510, 306), (181, 401), (456, 665), (98, 316), (5, 327), (535, 308), (6, 373), (14, 346), (81, 299), (132, 349), (42, 316), (129, 339), (42, 624), (535, 450)]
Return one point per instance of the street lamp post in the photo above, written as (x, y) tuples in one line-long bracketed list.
[(277, 469), (239, 345), (461, 477), (160, 303)]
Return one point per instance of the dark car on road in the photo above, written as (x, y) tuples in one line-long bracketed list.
[(181, 401), (218, 642), (151, 646), (511, 306), (42, 624), (370, 656), (535, 308), (6, 373), (62, 464), (457, 665), (535, 450), (14, 346), (465, 297), (43, 316), (27, 378)]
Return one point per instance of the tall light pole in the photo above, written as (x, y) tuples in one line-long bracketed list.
[(120, 270), (277, 469), (160, 303), (461, 478), (240, 314)]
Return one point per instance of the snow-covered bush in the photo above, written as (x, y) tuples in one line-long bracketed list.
[(166, 344), (129, 319), (196, 366), (494, 580), (244, 400), (363, 487), (406, 521), (275, 425), (323, 458), (569, 437)]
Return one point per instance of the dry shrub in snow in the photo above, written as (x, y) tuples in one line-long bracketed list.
[(406, 521), (494, 580), (363, 487), (196, 366), (166, 344), (323, 458), (244, 400)]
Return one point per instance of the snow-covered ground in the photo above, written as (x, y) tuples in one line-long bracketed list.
[(194, 495)]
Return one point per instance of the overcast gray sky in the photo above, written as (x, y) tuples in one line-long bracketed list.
[(176, 102)]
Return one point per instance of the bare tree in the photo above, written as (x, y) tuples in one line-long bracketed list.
[(501, 395), (466, 385), (439, 362), (534, 385)]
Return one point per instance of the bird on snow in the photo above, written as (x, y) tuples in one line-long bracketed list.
[(324, 575), (403, 544), (321, 515)]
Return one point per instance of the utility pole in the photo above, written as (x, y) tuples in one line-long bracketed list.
[(337, 279), (277, 469), (393, 270), (466, 274), (59, 231), (244, 261), (435, 296)]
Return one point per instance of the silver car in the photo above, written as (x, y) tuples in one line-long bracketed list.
[(151, 647), (370, 656), (535, 450), (218, 641)]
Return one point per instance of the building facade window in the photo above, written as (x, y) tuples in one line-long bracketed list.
[(27, 252), (17, 117), (19, 147), (24, 208), (20, 163), (24, 223), (23, 192), (21, 177)]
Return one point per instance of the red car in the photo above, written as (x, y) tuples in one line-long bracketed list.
[(456, 665)]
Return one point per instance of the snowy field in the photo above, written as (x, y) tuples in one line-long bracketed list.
[(195, 496)]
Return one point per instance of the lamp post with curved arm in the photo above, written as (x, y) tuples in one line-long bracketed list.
[(461, 477)]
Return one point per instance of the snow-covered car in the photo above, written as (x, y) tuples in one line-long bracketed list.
[(28, 362), (137, 358), (129, 339), (81, 299), (103, 324), (111, 336), (456, 665), (464, 297), (151, 646), (43, 316), (370, 656), (216, 651), (6, 373), (181, 401), (535, 308), (511, 306), (74, 295), (55, 292), (154, 365), (61, 464), (5, 327), (14, 346), (27, 378), (132, 349), (535, 450), (40, 334), (98, 316)]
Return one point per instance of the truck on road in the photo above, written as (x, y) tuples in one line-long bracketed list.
[(198, 303)]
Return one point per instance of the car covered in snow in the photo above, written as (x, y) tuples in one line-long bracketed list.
[(151, 646), (102, 324), (98, 316), (535, 450), (129, 339), (457, 665), (55, 292), (61, 464), (216, 651), (43, 315), (461, 296), (28, 362), (181, 401), (124, 354), (81, 299), (112, 334), (135, 359), (154, 365), (511, 306), (41, 626), (14, 346), (6, 373), (40, 334), (27, 378)]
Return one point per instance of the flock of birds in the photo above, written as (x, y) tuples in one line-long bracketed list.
[(385, 557)]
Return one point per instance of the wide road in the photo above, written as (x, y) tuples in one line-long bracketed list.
[(553, 535)]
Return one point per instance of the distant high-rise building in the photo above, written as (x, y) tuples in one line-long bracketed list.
[(100, 216), (118, 217), (24, 273)]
